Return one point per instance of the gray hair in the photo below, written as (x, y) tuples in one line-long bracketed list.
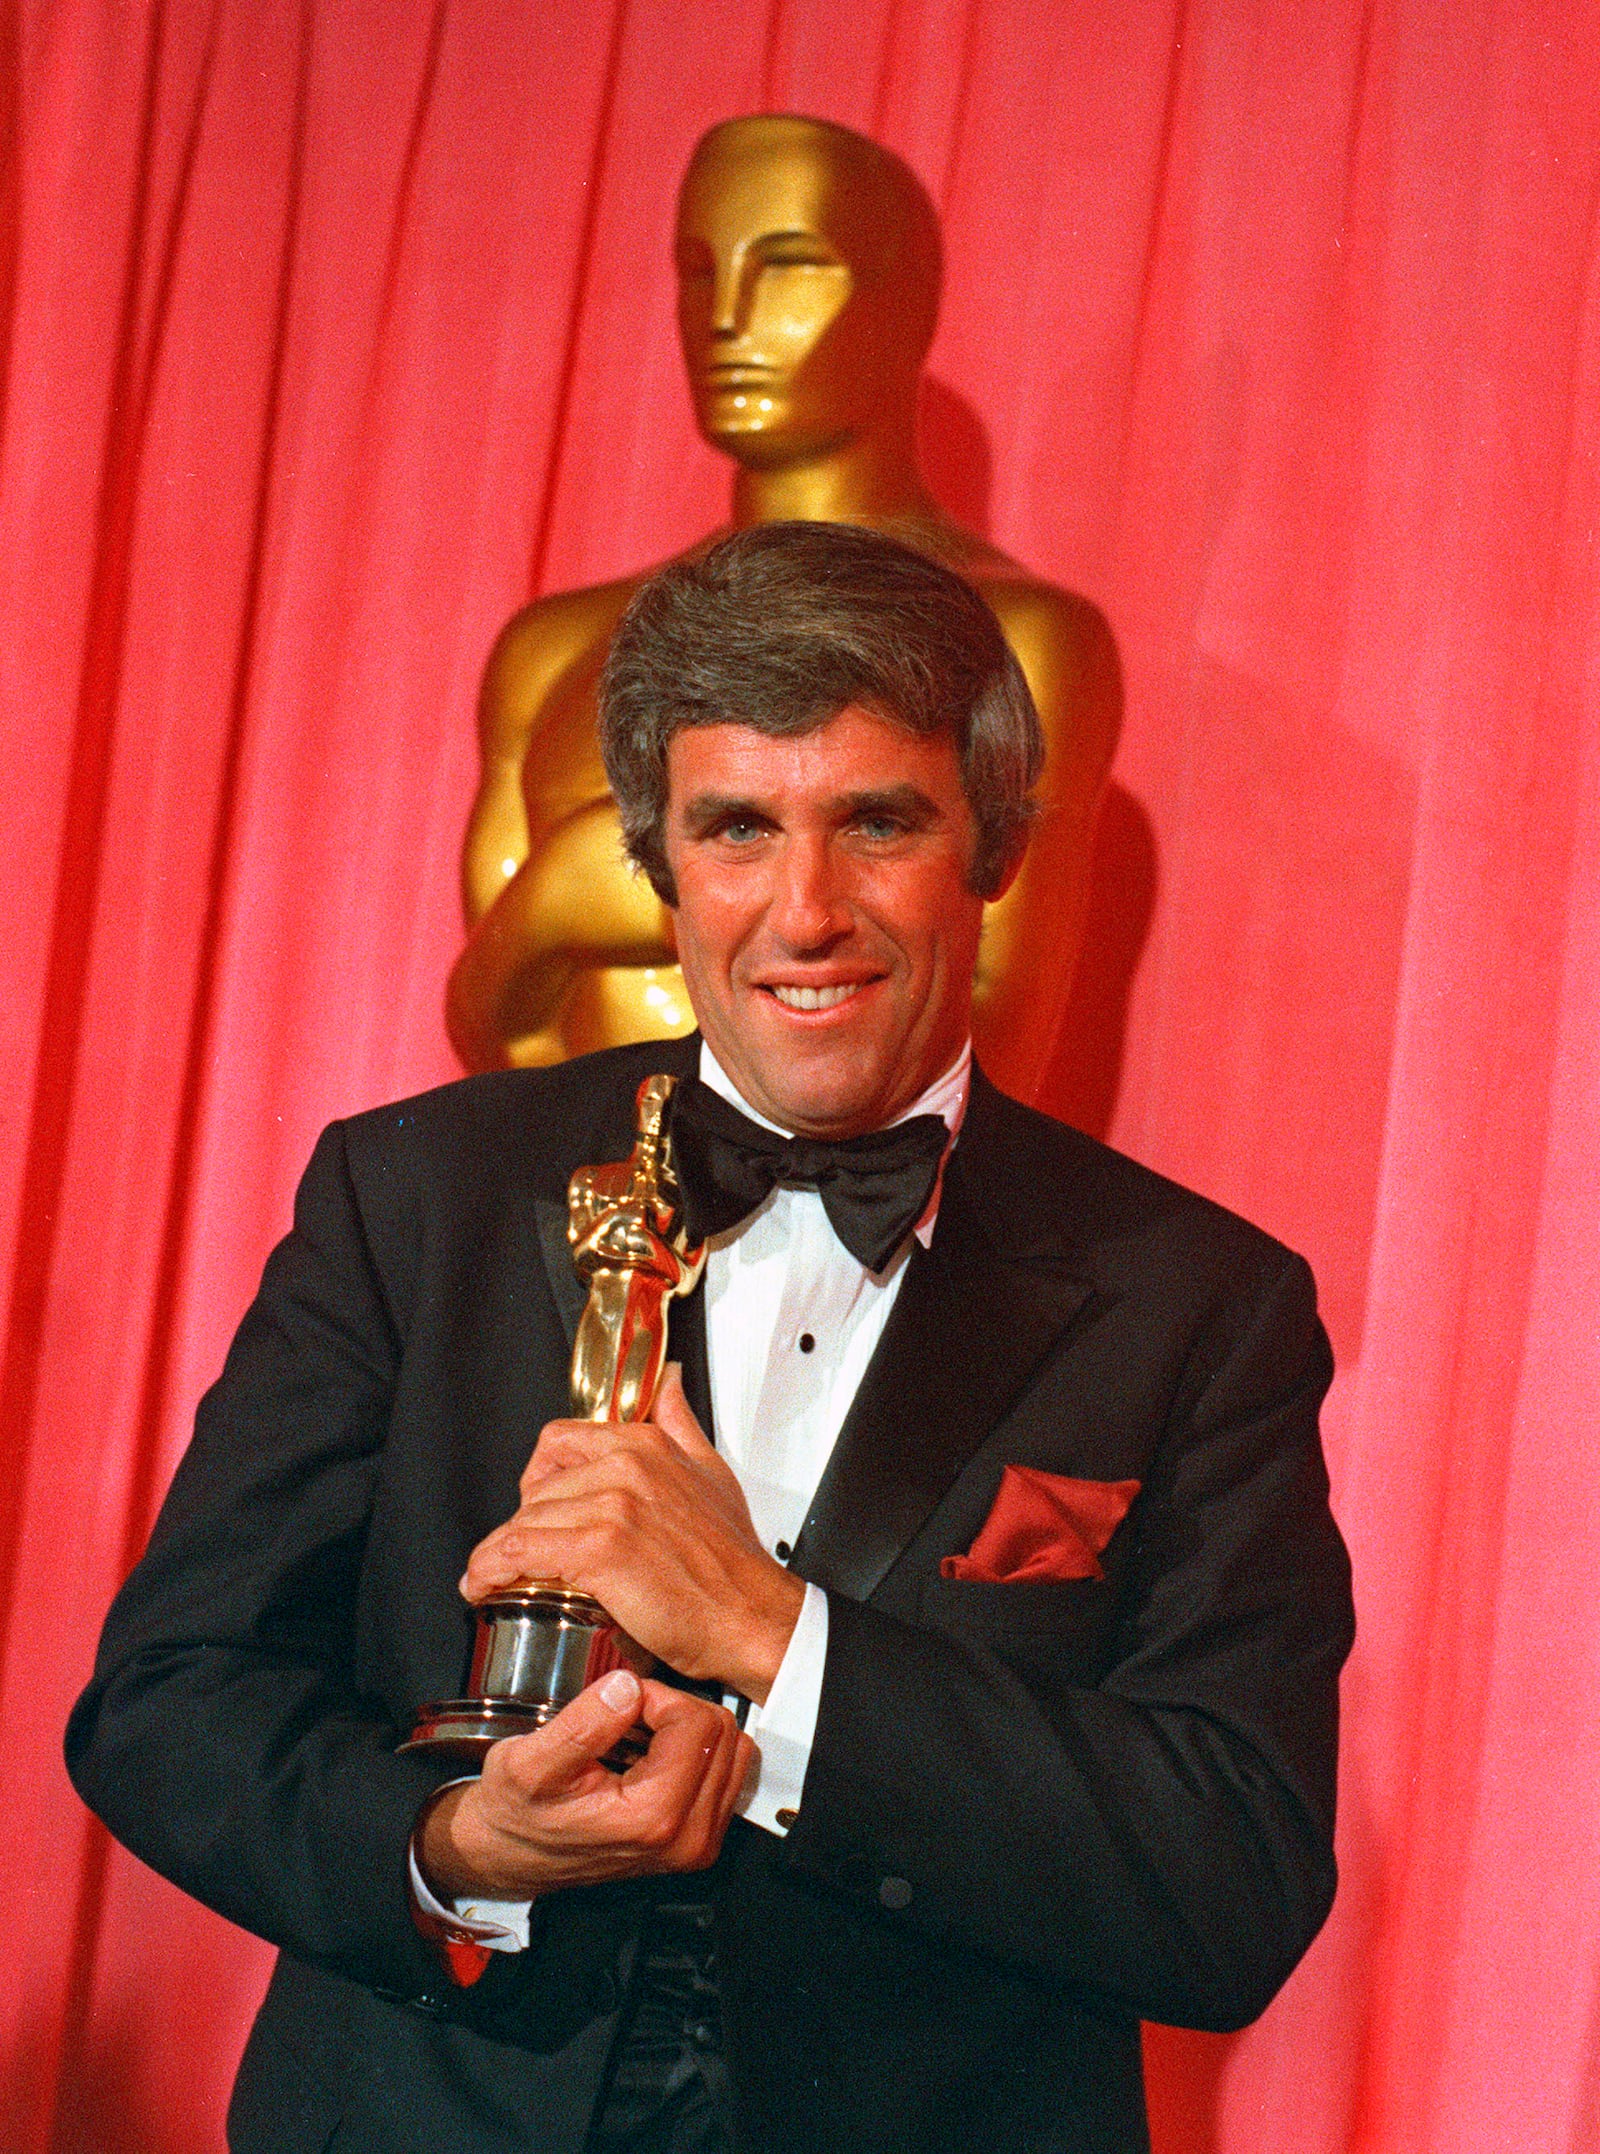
[(782, 626)]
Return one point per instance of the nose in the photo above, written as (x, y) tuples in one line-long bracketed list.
[(809, 910), (731, 277)]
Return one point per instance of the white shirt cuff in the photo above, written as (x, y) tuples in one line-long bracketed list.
[(502, 1925), (786, 1726)]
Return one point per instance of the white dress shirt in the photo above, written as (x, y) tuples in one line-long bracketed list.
[(792, 1319)]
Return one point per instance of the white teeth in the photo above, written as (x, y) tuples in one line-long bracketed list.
[(813, 998)]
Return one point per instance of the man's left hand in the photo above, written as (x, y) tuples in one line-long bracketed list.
[(647, 1518)]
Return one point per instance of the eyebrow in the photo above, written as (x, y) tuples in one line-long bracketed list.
[(909, 802), (703, 811)]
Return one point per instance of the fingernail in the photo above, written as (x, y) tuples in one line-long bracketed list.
[(620, 1690)]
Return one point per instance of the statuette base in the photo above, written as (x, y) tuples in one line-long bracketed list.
[(537, 1647)]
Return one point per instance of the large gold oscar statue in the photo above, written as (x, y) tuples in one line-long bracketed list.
[(808, 267)]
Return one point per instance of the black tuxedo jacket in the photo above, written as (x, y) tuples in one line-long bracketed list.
[(1034, 1814)]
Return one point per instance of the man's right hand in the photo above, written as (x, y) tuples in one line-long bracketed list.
[(546, 1812)]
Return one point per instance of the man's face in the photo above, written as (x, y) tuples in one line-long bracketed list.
[(824, 923)]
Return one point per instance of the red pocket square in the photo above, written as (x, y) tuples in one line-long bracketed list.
[(1044, 1525)]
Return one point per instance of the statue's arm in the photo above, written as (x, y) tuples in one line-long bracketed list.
[(535, 655), (572, 905), (1032, 935), (541, 865), (521, 670)]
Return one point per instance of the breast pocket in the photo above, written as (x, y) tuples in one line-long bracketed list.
[(1061, 1627)]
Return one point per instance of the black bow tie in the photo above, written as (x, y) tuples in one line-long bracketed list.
[(873, 1188)]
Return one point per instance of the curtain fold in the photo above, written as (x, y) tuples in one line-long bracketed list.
[(331, 329)]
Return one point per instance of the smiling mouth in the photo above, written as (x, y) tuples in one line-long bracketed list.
[(815, 998)]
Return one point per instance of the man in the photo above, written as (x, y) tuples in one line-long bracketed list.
[(1015, 1533)]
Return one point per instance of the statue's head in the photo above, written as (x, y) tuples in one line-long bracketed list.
[(808, 286)]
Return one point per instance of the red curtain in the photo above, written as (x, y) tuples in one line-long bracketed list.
[(333, 328)]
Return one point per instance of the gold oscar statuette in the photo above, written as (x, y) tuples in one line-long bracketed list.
[(540, 1642)]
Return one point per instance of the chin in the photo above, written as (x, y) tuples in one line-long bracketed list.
[(736, 426), (840, 1102), (770, 441), (752, 438)]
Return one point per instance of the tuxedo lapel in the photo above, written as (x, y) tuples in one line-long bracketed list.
[(968, 1329), (566, 1288)]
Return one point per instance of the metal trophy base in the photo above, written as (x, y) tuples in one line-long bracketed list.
[(537, 1647)]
